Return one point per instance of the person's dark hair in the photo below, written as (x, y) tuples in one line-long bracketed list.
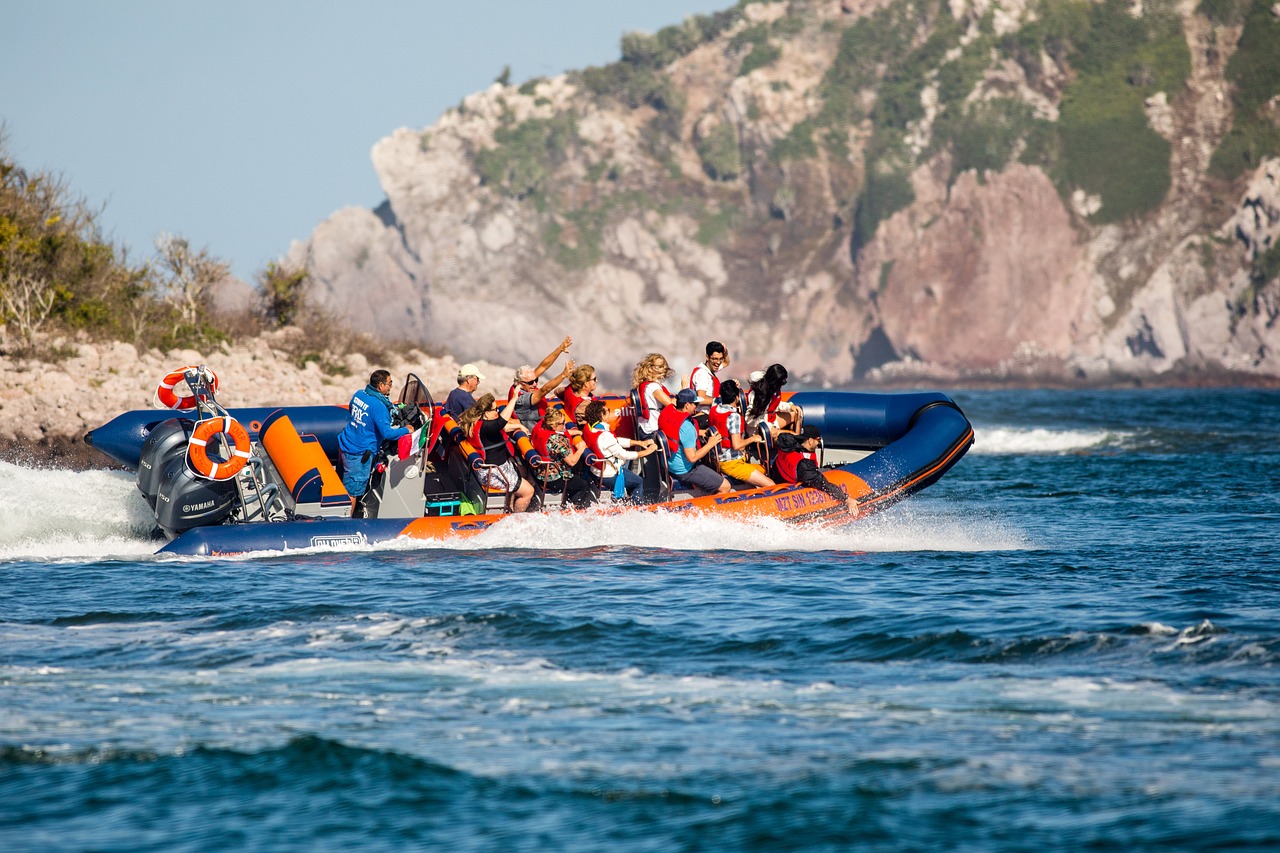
[(714, 347), (594, 411), (729, 391), (764, 389), (378, 377)]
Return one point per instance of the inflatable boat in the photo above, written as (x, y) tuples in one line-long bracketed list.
[(225, 482)]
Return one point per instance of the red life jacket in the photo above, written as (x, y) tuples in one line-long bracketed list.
[(571, 399), (715, 381), (719, 417), (480, 447), (642, 402), (670, 419), (787, 462), (540, 435), (591, 435)]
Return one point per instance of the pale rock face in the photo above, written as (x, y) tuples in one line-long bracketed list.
[(999, 269), (1257, 222), (367, 275), (990, 276)]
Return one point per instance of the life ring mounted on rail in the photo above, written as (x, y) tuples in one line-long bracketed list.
[(169, 397), (205, 465)]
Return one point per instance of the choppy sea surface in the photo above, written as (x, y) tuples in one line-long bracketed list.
[(1072, 641)]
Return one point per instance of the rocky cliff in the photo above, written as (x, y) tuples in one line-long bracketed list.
[(969, 190)]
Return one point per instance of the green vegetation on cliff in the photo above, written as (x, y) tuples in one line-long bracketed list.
[(909, 83), (1254, 74)]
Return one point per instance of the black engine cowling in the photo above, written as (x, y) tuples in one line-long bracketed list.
[(166, 441), (185, 501)]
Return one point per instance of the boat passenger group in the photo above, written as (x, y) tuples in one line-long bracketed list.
[(709, 428)]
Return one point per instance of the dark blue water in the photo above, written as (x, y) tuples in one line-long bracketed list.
[(1072, 641)]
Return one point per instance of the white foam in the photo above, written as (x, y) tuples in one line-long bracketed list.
[(1017, 440), (902, 528), (58, 515), (54, 514)]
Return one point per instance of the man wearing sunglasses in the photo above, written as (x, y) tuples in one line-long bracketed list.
[(531, 399)]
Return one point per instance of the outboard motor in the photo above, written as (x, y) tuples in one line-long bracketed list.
[(185, 501), (166, 441)]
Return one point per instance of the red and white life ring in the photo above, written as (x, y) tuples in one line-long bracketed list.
[(173, 392), (198, 453)]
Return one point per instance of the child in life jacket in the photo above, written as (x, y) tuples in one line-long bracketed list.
[(795, 465)]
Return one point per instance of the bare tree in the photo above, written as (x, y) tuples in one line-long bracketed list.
[(189, 276), (26, 300)]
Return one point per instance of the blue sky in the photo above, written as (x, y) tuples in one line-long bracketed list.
[(242, 124)]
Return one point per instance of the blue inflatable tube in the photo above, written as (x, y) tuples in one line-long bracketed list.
[(122, 437)]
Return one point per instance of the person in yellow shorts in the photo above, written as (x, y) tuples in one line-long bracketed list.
[(727, 420)]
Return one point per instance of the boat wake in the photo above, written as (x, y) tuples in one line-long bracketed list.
[(72, 516), (54, 514), (993, 441)]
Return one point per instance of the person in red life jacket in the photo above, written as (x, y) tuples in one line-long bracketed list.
[(686, 449), (612, 450), (796, 465), (532, 400), (486, 428), (562, 453), (726, 420), (650, 395), (703, 379), (580, 391), (650, 392), (765, 403)]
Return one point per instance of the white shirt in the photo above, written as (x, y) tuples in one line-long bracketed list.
[(650, 424), (613, 447), (701, 381)]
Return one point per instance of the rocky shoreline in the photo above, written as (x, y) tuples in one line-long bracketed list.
[(46, 407)]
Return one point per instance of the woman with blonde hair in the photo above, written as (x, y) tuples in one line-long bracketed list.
[(558, 449), (486, 428), (649, 395), (648, 398), (581, 390)]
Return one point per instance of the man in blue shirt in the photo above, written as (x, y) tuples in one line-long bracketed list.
[(463, 397), (681, 432), (368, 425)]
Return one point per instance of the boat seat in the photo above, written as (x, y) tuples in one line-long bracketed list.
[(542, 498), (466, 465), (303, 468), (666, 484)]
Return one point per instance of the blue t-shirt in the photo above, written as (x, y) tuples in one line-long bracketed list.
[(678, 462), (458, 401)]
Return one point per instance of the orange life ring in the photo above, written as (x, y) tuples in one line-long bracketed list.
[(198, 453), (167, 397)]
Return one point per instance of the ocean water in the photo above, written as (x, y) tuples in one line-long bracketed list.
[(1072, 641)]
